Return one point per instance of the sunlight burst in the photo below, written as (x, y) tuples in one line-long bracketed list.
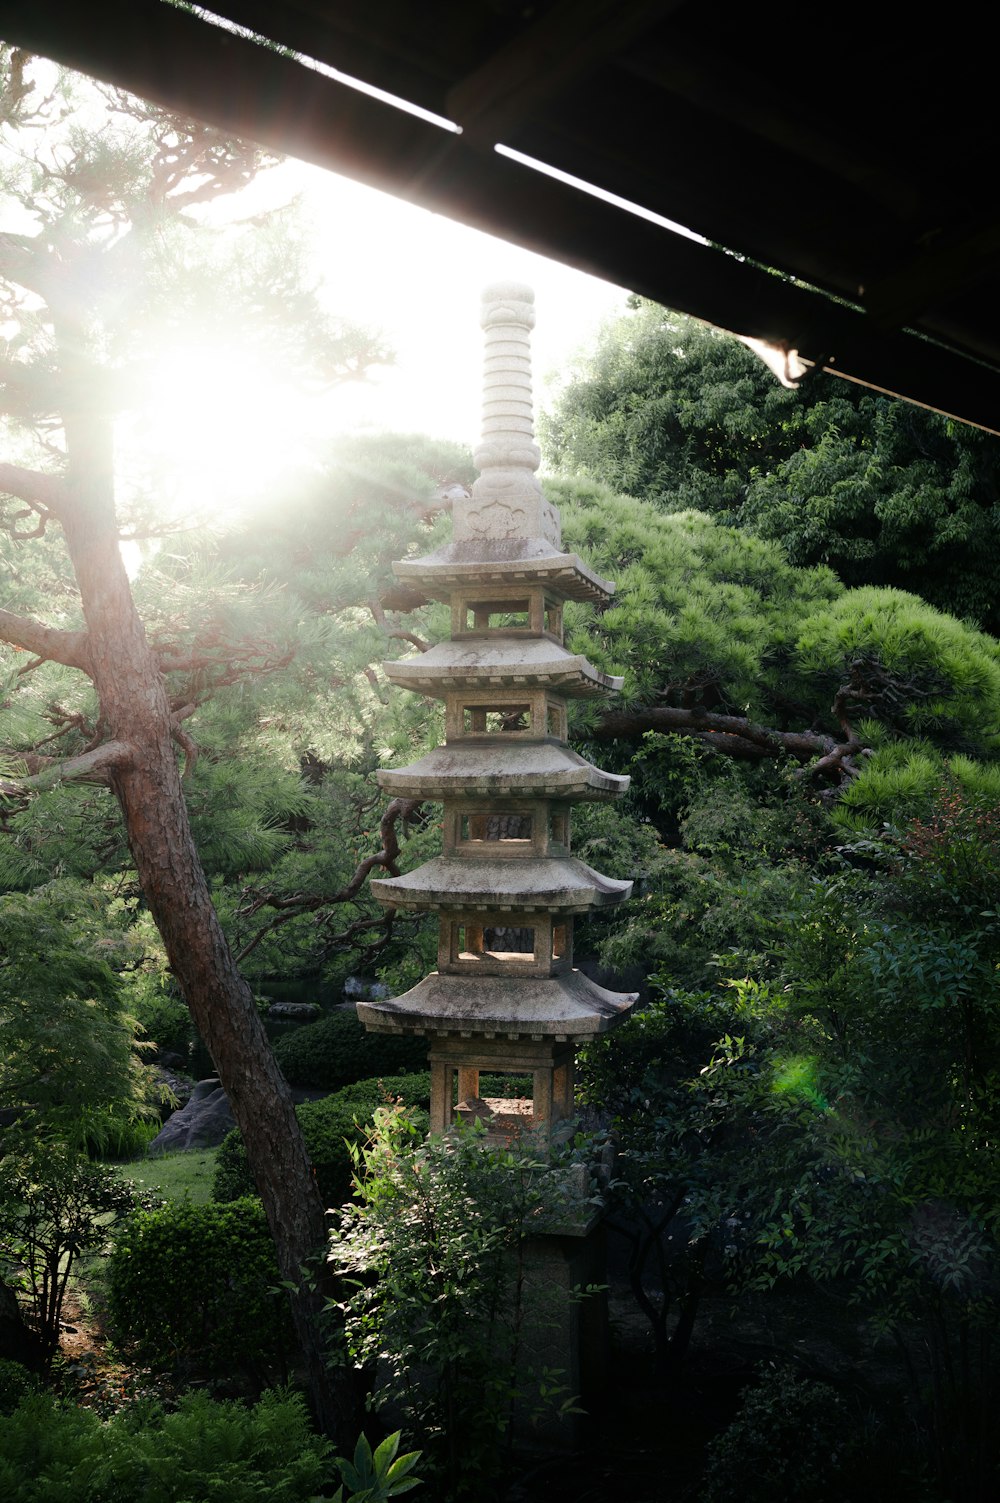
[(217, 429)]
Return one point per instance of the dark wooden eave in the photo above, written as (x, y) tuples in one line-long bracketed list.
[(848, 150)]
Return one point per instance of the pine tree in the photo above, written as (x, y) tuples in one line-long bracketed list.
[(97, 190)]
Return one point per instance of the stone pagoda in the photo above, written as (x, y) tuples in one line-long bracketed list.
[(505, 997)]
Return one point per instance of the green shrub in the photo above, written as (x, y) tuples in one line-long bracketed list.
[(54, 1206), (203, 1453), (437, 1304), (193, 1288), (16, 1383), (328, 1126), (337, 1050), (791, 1439)]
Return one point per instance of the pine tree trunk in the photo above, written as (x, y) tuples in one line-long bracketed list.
[(135, 711)]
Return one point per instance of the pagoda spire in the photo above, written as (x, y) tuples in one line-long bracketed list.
[(507, 500)]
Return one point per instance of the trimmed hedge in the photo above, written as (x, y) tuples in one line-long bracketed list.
[(337, 1050), (192, 1287), (328, 1126)]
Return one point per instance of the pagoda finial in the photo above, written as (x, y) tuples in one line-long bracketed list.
[(507, 500)]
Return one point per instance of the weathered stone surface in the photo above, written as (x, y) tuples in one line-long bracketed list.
[(506, 561), (570, 1006), (505, 993), (532, 770), (202, 1123), (507, 500), (294, 1012), (554, 883), (176, 1089), (495, 663)]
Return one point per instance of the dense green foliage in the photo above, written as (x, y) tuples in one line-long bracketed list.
[(792, 1438), (203, 1452), (331, 1128), (192, 1288), (67, 1063), (337, 1050), (708, 619), (16, 1383), (437, 1304), (375, 1476), (883, 492), (55, 1206), (825, 1118)]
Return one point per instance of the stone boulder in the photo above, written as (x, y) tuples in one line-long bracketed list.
[(202, 1123), (175, 1089), (364, 989), (294, 1012)]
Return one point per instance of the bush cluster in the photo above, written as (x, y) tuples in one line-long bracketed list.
[(51, 1453), (792, 1438), (336, 1051), (192, 1287), (329, 1127), (16, 1383)]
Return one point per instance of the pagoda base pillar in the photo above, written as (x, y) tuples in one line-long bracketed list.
[(566, 1334)]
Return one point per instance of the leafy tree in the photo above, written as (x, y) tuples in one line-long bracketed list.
[(104, 259), (54, 1206), (892, 978), (883, 492), (67, 1059), (435, 1289)]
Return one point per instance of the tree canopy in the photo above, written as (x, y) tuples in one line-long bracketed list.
[(881, 491)]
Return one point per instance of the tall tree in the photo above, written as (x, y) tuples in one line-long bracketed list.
[(726, 642), (882, 491), (97, 205)]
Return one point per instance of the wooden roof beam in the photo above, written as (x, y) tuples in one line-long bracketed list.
[(172, 57), (567, 43), (929, 280), (727, 93)]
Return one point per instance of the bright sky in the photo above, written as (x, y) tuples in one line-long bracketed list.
[(419, 277), (414, 276), (218, 429)]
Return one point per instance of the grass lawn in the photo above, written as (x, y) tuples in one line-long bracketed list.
[(175, 1175)]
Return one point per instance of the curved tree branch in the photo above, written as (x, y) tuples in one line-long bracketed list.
[(49, 493), (739, 737), (71, 648), (735, 734), (94, 766), (290, 906), (395, 632)]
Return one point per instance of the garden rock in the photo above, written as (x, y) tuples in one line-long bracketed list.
[(179, 1086), (202, 1123), (364, 989), (294, 1012)]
